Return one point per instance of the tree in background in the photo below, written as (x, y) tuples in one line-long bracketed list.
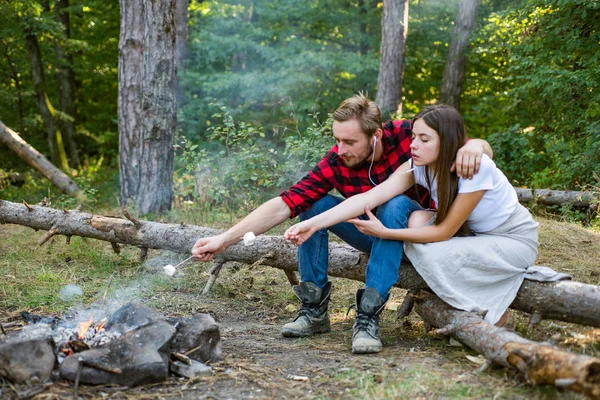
[(456, 62), (394, 29), (67, 90), (45, 108), (181, 40), (86, 56), (147, 103)]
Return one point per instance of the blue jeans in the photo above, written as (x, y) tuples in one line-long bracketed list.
[(385, 255)]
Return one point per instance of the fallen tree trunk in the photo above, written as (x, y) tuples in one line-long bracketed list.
[(39, 162), (540, 363), (558, 197), (566, 301)]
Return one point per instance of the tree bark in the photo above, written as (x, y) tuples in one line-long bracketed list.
[(456, 63), (558, 197), (130, 97), (540, 363), (39, 162), (566, 301), (146, 135), (394, 28), (65, 77), (45, 108), (159, 107)]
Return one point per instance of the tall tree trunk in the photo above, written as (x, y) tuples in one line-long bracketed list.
[(364, 37), (45, 108), (456, 63), (181, 27), (147, 103), (394, 28), (17, 80), (65, 77), (158, 107), (130, 97)]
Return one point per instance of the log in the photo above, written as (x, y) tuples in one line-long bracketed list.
[(39, 162), (540, 363), (558, 197), (565, 301)]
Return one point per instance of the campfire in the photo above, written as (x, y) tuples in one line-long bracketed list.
[(131, 346)]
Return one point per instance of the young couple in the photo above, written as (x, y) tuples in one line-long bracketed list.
[(474, 250)]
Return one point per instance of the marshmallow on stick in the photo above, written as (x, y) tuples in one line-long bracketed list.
[(249, 238)]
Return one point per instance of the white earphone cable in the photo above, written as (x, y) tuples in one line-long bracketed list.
[(372, 159)]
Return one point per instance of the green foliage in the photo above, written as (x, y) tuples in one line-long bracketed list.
[(539, 73), (92, 45), (237, 167)]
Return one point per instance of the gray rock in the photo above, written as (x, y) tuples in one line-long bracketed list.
[(27, 360), (131, 316), (141, 355), (190, 371), (201, 332)]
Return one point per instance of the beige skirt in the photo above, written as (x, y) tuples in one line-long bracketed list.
[(483, 272)]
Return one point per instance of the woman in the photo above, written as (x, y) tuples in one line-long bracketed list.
[(477, 248)]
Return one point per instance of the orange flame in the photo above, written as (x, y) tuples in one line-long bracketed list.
[(83, 328), (101, 326)]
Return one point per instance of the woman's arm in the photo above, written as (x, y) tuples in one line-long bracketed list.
[(460, 210), (396, 184)]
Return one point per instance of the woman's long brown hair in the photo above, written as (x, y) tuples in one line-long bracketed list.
[(449, 125)]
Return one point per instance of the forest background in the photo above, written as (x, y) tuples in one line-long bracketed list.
[(260, 77)]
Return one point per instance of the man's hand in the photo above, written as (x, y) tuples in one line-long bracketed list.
[(299, 233), (468, 158), (206, 248), (371, 227)]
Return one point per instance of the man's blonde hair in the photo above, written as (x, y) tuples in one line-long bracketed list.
[(365, 111)]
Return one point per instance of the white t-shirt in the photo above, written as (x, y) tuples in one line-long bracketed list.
[(498, 202)]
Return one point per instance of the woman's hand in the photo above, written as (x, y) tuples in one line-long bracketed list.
[(371, 227), (299, 233)]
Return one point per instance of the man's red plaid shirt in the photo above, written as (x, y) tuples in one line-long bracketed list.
[(331, 173)]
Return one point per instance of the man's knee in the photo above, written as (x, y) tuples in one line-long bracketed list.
[(322, 205), (398, 204)]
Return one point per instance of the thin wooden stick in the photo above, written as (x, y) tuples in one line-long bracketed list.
[(101, 367), (76, 386), (29, 208), (110, 279)]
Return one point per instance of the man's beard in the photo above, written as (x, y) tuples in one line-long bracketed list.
[(355, 163)]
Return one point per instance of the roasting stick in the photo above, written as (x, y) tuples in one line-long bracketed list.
[(171, 269)]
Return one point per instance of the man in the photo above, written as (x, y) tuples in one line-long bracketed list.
[(366, 153)]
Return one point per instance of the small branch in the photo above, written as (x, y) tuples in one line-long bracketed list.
[(116, 248), (29, 208), (101, 367), (143, 254), (53, 231), (130, 217), (77, 377), (68, 239), (181, 357), (406, 307), (106, 292)]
